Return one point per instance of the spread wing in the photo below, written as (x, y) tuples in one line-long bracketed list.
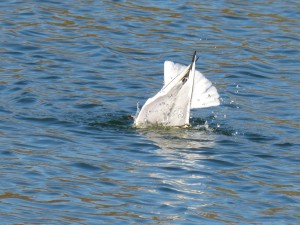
[(204, 93), (171, 105), (184, 88)]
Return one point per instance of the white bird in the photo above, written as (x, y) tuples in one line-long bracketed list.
[(184, 89)]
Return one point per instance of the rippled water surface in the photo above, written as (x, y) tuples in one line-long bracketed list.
[(72, 73)]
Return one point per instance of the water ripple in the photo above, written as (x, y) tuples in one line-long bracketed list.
[(72, 74)]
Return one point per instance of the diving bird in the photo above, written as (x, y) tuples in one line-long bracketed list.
[(184, 89)]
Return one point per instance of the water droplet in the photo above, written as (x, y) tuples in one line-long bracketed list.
[(206, 124)]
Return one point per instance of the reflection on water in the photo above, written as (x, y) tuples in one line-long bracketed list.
[(71, 73), (179, 138)]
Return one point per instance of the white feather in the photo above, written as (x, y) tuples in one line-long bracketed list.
[(204, 94), (184, 88)]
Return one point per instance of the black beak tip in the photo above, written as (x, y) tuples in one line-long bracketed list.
[(194, 55)]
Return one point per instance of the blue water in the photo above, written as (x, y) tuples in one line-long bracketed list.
[(71, 74)]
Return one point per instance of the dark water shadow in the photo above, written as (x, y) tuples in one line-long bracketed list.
[(124, 121)]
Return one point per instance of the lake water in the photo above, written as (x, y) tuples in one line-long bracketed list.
[(72, 73)]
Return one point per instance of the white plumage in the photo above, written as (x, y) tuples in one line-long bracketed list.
[(184, 89)]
